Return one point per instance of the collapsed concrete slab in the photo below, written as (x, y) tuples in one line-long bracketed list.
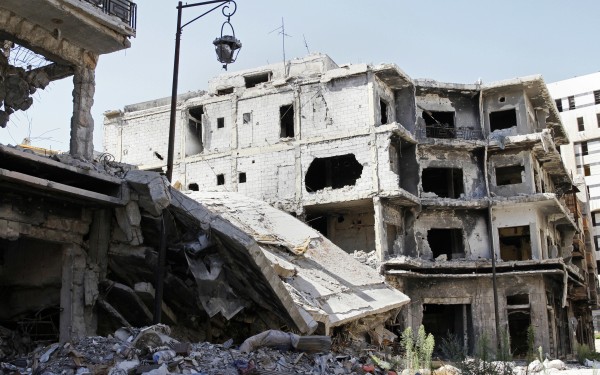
[(304, 276)]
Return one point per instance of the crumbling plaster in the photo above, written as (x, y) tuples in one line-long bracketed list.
[(472, 224), (469, 162)]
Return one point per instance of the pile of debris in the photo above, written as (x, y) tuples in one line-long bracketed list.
[(153, 351)]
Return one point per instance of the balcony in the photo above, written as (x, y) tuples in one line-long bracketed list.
[(447, 132), (125, 10)]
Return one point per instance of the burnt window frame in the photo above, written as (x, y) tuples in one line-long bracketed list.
[(450, 176), (503, 168), (496, 116)]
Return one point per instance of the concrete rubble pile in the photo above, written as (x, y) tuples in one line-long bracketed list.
[(152, 350)]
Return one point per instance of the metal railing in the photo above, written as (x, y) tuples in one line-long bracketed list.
[(447, 132), (125, 10)]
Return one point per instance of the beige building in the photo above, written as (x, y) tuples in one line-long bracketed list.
[(433, 179)]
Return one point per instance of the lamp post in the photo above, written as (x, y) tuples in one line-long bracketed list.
[(226, 46)]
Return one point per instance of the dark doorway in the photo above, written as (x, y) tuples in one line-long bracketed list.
[(334, 172), (446, 241), (449, 322), (503, 119), (518, 322), (443, 182)]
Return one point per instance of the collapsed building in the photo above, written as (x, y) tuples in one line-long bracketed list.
[(458, 190), (88, 244)]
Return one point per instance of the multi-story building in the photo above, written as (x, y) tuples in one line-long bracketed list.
[(578, 101), (458, 188), (54, 216)]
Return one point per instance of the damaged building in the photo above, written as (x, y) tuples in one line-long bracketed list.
[(89, 244), (457, 190)]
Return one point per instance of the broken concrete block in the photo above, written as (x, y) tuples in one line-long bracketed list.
[(153, 190), (129, 219)]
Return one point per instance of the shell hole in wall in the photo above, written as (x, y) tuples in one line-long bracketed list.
[(334, 172), (193, 187)]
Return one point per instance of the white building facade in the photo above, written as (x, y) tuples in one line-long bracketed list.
[(578, 100)]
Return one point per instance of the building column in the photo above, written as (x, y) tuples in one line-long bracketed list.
[(72, 315), (380, 230), (82, 122)]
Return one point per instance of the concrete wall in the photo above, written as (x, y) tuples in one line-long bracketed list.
[(472, 223), (468, 162), (505, 159)]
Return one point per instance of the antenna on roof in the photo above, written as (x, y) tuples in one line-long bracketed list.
[(283, 35), (306, 44)]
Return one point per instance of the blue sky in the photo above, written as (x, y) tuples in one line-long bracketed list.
[(453, 41)]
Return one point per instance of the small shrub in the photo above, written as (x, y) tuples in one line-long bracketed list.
[(584, 352), (452, 348), (417, 351), (530, 344)]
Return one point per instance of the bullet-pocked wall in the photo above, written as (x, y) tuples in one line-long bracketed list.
[(448, 173), (511, 173), (509, 112), (337, 107), (447, 113)]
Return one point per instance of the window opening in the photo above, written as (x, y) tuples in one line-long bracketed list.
[(510, 175), (571, 100), (559, 105), (384, 111), (242, 177), (597, 97), (220, 122), (443, 182), (447, 242), (220, 179), (587, 171), (598, 119), (193, 143), (225, 91), (286, 121), (518, 300), (247, 118), (334, 172), (439, 124), (580, 125), (515, 243), (193, 187), (584, 148), (255, 79), (503, 119)]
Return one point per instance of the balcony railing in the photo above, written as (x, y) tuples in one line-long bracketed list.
[(447, 132), (125, 10)]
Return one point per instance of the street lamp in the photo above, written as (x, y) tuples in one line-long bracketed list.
[(226, 46)]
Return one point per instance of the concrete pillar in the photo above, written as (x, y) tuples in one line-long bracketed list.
[(380, 230), (72, 316), (82, 122)]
